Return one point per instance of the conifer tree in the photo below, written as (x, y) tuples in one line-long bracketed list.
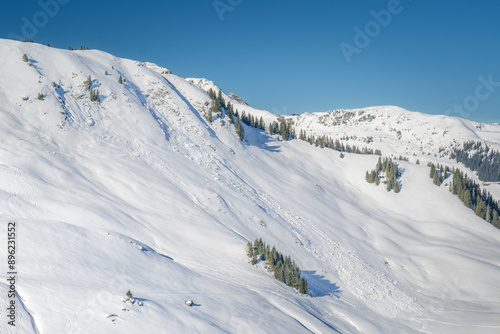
[(249, 249), (120, 80), (379, 165), (25, 58), (94, 95), (230, 111), (262, 125), (221, 103), (239, 128), (212, 94), (388, 185), (88, 83), (303, 289), (396, 187), (435, 178), (433, 171), (209, 115), (467, 198)]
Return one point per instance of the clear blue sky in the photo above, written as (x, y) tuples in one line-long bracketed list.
[(286, 56)]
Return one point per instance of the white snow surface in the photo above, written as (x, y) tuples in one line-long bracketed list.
[(139, 192)]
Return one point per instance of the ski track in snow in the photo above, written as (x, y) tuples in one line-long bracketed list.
[(51, 302), (21, 202), (25, 323)]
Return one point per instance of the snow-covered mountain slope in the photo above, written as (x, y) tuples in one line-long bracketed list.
[(398, 131), (391, 129), (237, 102), (139, 192)]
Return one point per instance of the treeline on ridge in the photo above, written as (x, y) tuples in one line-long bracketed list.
[(218, 105), (469, 193), (281, 126), (479, 158)]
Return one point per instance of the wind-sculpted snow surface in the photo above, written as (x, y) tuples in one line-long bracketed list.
[(139, 192)]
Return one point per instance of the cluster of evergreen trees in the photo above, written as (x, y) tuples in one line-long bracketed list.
[(283, 127), (29, 40), (469, 192), (438, 175), (94, 93), (218, 106), (218, 102), (391, 171), (471, 195), (252, 121), (337, 145), (82, 47), (284, 268), (479, 158)]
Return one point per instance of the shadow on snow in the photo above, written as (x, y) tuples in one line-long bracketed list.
[(320, 286)]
